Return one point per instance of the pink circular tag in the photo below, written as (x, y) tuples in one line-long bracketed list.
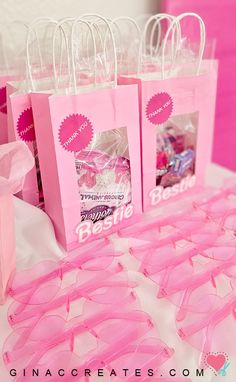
[(3, 100), (75, 133), (25, 126), (159, 108)]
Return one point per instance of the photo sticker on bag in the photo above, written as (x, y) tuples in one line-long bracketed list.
[(76, 132), (159, 108), (25, 126)]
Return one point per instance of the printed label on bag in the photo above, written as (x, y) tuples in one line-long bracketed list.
[(87, 228), (25, 126), (75, 133), (160, 193), (3, 100), (159, 108)]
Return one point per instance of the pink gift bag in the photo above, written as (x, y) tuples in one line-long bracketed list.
[(3, 112), (177, 119), (11, 47), (21, 127), (20, 116), (3, 109), (15, 162), (89, 153), (215, 16)]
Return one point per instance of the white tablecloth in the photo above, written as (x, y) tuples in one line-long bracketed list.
[(36, 241)]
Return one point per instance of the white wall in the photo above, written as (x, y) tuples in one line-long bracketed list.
[(30, 9)]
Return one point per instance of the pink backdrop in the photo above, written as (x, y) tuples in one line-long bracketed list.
[(220, 19)]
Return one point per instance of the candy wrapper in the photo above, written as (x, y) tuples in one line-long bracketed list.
[(15, 162), (104, 177), (176, 149)]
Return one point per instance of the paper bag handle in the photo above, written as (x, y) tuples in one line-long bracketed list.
[(59, 26), (158, 18), (73, 64), (202, 40), (28, 61), (110, 33), (132, 23)]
